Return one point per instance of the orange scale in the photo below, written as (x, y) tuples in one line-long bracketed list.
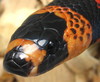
[(68, 16), (86, 21), (74, 22), (36, 57), (61, 15), (69, 25), (82, 25), (18, 42), (40, 12), (77, 16)]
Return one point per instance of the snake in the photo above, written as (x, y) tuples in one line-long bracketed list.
[(52, 35)]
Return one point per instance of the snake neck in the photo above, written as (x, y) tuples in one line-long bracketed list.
[(87, 8)]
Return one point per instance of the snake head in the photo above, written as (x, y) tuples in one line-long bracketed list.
[(33, 57)]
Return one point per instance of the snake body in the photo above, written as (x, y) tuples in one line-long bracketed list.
[(54, 34)]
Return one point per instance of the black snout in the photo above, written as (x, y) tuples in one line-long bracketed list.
[(14, 62)]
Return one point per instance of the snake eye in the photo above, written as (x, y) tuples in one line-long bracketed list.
[(52, 47)]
